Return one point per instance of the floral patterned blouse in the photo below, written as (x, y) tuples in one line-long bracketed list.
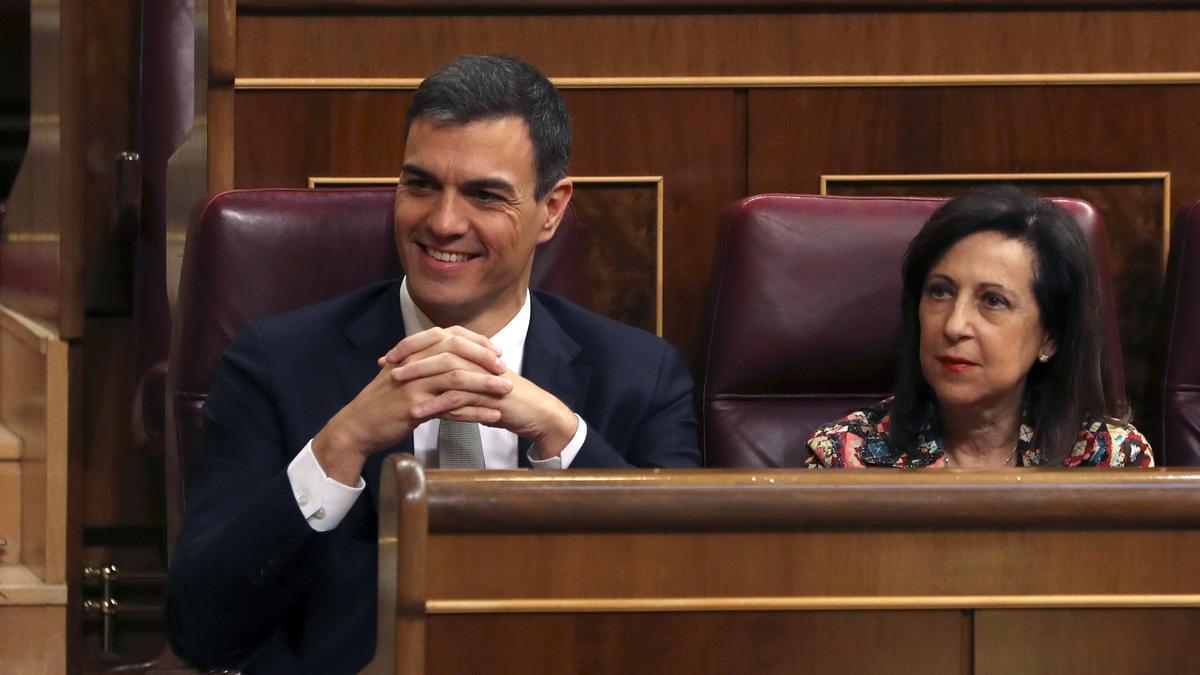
[(860, 440)]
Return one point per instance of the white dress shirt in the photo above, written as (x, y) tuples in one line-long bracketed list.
[(324, 502)]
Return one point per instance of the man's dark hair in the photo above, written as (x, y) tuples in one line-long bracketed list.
[(475, 88), (1079, 380)]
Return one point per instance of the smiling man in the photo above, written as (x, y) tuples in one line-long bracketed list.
[(457, 363)]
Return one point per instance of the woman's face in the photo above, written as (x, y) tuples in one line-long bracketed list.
[(980, 328)]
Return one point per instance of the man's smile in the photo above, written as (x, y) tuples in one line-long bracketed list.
[(447, 256)]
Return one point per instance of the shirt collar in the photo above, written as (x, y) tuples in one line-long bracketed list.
[(510, 339)]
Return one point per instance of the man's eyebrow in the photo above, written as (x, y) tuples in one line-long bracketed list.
[(493, 184), (417, 172)]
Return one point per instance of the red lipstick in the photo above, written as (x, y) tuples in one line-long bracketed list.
[(955, 364)]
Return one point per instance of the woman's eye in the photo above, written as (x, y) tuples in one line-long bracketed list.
[(995, 300), (938, 291)]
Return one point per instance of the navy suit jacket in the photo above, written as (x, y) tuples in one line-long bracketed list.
[(252, 585)]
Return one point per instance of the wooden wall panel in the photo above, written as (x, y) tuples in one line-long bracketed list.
[(1085, 641), (734, 44), (689, 138), (283, 138), (124, 486), (10, 511), (33, 640), (619, 566), (110, 95), (620, 226), (715, 643)]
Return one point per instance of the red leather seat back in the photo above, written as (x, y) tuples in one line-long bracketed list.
[(806, 317), (1181, 404)]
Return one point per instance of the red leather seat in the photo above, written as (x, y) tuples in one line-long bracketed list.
[(1181, 401), (806, 317)]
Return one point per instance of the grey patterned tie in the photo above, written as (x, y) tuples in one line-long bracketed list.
[(459, 445)]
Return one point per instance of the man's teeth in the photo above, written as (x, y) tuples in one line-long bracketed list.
[(446, 256)]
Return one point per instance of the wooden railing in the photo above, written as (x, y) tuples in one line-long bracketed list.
[(774, 571)]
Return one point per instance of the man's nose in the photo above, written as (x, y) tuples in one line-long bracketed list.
[(448, 218)]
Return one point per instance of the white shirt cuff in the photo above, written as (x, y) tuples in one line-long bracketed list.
[(323, 501), (564, 458)]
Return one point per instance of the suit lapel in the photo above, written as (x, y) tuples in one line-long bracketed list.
[(377, 330), (550, 363)]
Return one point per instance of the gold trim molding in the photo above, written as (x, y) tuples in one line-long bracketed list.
[(1164, 176), (815, 603), (752, 81), (656, 181)]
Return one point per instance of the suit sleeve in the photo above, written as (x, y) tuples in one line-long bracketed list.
[(658, 431), (246, 555)]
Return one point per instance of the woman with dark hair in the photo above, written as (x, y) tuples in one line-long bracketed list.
[(1002, 360)]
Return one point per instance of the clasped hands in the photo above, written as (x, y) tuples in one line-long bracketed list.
[(448, 373)]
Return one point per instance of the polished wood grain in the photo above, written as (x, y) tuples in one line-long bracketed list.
[(725, 44), (1126, 641), (121, 487), (22, 411), (711, 643), (110, 88), (344, 134), (33, 640), (10, 444), (579, 564), (620, 244), (706, 500), (222, 34), (10, 511)]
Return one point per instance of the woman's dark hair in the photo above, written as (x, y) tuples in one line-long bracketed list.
[(475, 88), (1079, 380)]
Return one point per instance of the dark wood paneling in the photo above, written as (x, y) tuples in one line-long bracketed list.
[(122, 485), (798, 135), (284, 137), (716, 643), (110, 96), (620, 250), (1085, 641), (687, 44), (687, 137)]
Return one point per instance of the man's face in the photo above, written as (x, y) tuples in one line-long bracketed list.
[(467, 221)]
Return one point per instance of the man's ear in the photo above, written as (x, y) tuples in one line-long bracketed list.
[(556, 205)]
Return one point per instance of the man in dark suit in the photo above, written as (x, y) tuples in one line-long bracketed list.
[(458, 363)]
